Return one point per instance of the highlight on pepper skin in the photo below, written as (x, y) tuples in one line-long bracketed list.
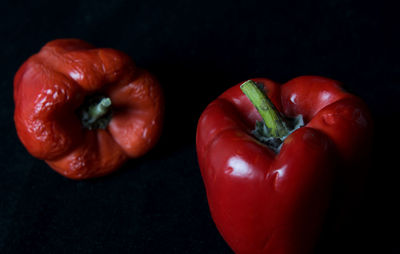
[(86, 110), (270, 156)]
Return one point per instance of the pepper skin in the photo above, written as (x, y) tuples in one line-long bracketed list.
[(262, 202), (51, 86)]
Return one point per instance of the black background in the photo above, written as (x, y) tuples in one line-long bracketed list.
[(197, 49)]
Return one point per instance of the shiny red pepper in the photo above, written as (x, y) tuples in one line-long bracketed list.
[(267, 202), (85, 110)]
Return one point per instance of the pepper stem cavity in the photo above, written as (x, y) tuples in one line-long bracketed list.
[(275, 123), (95, 113)]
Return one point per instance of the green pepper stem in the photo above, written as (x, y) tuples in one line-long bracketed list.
[(98, 110), (272, 119)]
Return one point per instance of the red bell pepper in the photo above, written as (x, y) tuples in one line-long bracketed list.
[(273, 199), (85, 110)]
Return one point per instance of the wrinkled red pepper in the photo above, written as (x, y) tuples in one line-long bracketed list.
[(85, 110), (267, 202)]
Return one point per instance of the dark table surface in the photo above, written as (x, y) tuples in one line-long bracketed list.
[(197, 49)]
